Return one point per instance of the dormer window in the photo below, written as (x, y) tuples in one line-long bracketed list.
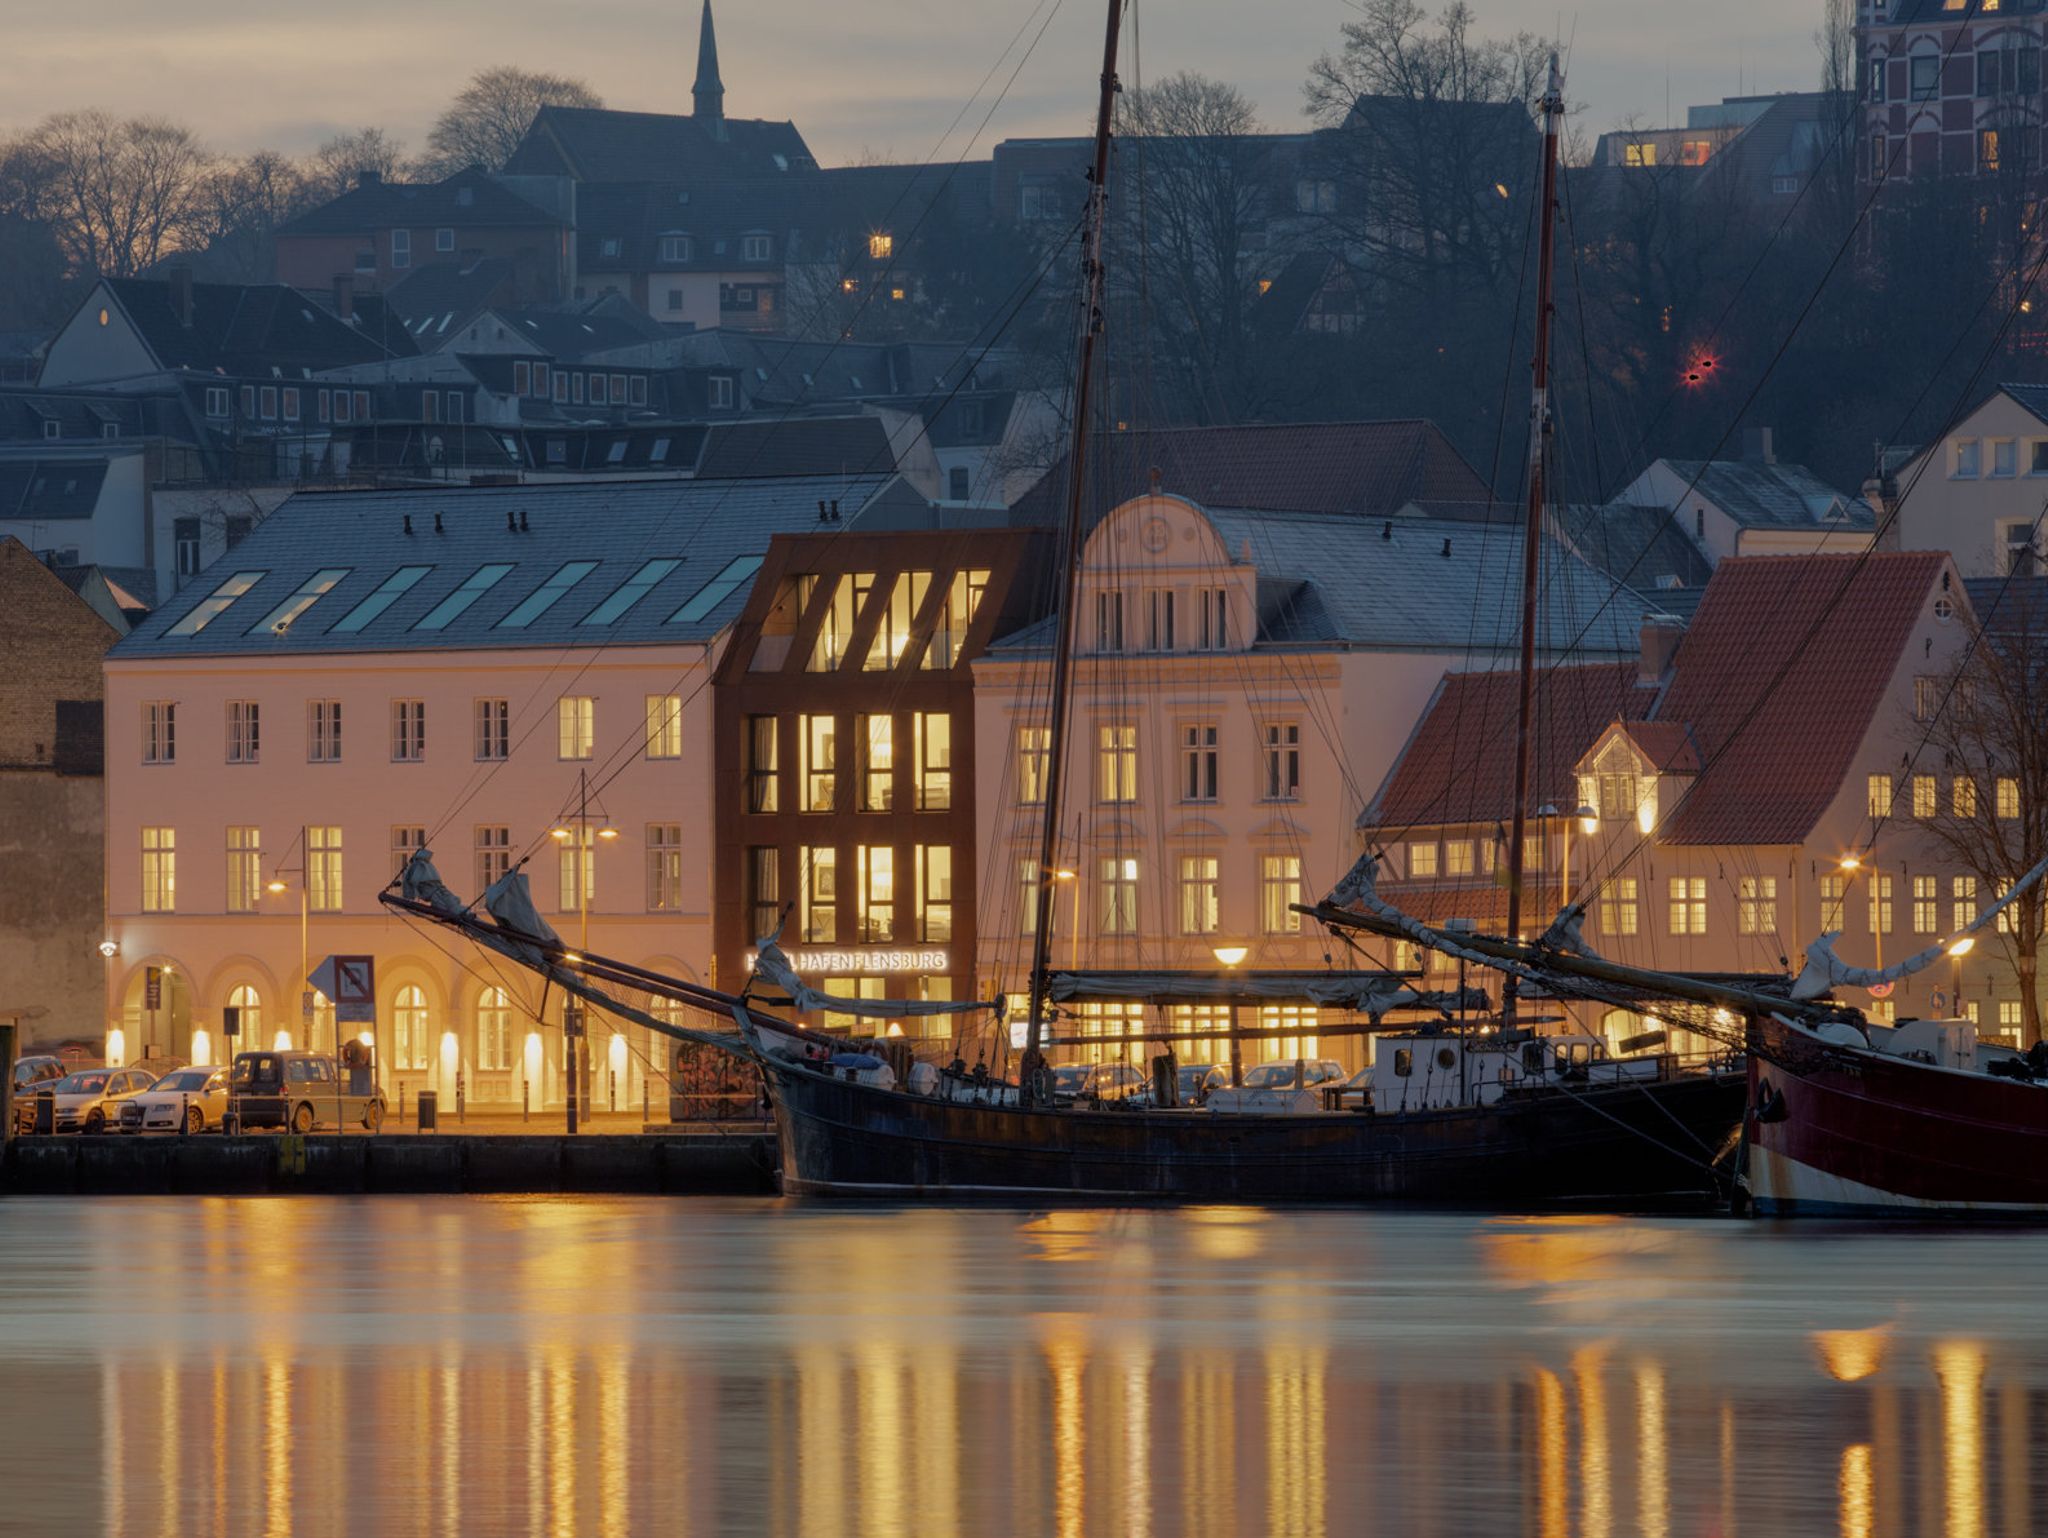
[(1616, 786), (444, 241), (675, 248), (609, 246), (881, 247), (754, 248), (401, 248)]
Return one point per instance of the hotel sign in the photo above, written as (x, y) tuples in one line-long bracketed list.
[(840, 961)]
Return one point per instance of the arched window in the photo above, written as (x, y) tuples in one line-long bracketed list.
[(411, 1030), (244, 998), (494, 1031)]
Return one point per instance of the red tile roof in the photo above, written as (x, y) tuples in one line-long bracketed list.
[(1459, 767), (1668, 745), (1779, 677)]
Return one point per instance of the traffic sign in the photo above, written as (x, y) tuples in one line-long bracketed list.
[(351, 981)]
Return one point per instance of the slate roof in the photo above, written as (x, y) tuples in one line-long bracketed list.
[(245, 328), (620, 525), (714, 214), (25, 413), (470, 197), (598, 144), (1643, 546), (800, 446), (438, 299), (576, 333), (2033, 397), (1368, 468), (1759, 494), (50, 490)]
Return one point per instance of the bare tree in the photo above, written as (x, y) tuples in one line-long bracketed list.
[(484, 124), (117, 195), (1991, 731), (241, 203), (338, 164)]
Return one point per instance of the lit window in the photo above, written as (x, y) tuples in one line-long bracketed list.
[(1421, 860), (576, 869), (1756, 905), (245, 740), (933, 749), (881, 247), (412, 1030), (1833, 903), (664, 867), (664, 726), (323, 731), (1201, 903), (1963, 797), (1117, 880), (1116, 755), (209, 609), (478, 583), (408, 731), (545, 597), (575, 726), (934, 892), (1926, 905), (323, 869), (493, 730), (245, 869), (407, 839), (1457, 857), (820, 894), (1963, 894), (160, 732), (1620, 910), (2008, 793), (818, 769), (1198, 757), (764, 891), (892, 635), (1878, 795), (763, 794), (1279, 891), (1688, 905), (876, 739), (1926, 800), (1880, 905), (876, 874), (1034, 761), (388, 592), (964, 591), (494, 1031), (1027, 896), (159, 870)]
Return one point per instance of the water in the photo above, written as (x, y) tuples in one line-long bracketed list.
[(592, 1367)]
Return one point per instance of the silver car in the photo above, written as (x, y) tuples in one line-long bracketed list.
[(183, 1100), (90, 1100)]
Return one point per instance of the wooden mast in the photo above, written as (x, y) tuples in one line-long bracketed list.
[(1070, 549), (1532, 529)]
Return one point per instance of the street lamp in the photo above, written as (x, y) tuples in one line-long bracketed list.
[(1074, 945), (1230, 956), (276, 887), (574, 831)]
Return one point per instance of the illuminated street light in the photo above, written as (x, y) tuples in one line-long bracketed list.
[(1231, 955), (1963, 946)]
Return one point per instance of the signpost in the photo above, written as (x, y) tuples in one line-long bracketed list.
[(351, 981)]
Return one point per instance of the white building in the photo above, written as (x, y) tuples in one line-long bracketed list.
[(1978, 492)]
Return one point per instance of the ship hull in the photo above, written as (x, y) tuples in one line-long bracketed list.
[(1639, 1144), (1842, 1132)]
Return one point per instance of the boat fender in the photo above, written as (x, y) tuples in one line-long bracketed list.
[(1770, 1105)]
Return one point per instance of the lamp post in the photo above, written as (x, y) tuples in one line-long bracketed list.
[(575, 832), (275, 886), (1074, 944), (1230, 956)]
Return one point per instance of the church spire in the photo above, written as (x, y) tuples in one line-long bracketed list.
[(709, 92)]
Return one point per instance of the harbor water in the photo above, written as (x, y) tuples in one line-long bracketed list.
[(578, 1366)]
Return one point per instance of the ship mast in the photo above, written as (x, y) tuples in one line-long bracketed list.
[(1532, 529), (1070, 548)]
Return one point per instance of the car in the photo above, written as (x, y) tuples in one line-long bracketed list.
[(183, 1100), (1294, 1085), (32, 1071), (1096, 1081), (296, 1092), (90, 1099), (1193, 1084)]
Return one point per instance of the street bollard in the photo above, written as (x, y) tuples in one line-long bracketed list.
[(612, 1090), (525, 1099), (401, 1102)]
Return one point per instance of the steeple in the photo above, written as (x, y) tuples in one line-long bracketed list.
[(709, 92)]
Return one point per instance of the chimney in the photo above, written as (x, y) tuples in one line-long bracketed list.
[(180, 280), (345, 295), (1756, 446), (366, 177), (1661, 634)]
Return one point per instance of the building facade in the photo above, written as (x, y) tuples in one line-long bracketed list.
[(1977, 493)]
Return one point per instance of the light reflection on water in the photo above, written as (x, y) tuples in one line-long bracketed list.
[(574, 1367)]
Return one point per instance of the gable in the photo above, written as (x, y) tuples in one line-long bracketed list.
[(90, 349)]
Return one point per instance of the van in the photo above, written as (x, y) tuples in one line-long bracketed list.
[(297, 1091)]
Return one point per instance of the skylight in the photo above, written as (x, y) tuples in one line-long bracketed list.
[(310, 592), (631, 591), (209, 609), (484, 579), (717, 590), (389, 591), (544, 597)]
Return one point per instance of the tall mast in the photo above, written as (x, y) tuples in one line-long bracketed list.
[(1532, 529), (1070, 543)]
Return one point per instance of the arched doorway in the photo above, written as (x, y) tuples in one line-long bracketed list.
[(495, 1045), (412, 1039), (156, 1022), (244, 998)]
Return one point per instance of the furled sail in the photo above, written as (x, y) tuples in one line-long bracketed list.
[(1824, 970)]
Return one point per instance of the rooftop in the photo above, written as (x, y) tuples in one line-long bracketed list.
[(470, 197), (1763, 494)]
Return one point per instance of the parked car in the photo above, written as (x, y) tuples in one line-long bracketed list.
[(183, 1100), (1193, 1084), (89, 1100), (32, 1071), (1284, 1086), (297, 1091), (1096, 1081)]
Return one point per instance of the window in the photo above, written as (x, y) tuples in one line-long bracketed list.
[(244, 739), (388, 592), (664, 726), (1421, 860), (1116, 760), (1926, 77), (2004, 458), (1756, 905), (754, 248), (1201, 904), (664, 867), (618, 389), (1926, 698), (675, 248), (1117, 880), (1966, 459), (764, 891), (2011, 1021), (1639, 152), (407, 839), (1034, 762), (493, 845), (876, 738), (1926, 800), (1880, 905), (217, 401), (1926, 905), (1878, 795), (1315, 197), (1963, 895), (1213, 604), (933, 749), (1688, 905), (341, 400), (636, 390), (718, 392), (408, 731), (2007, 793), (323, 731), (876, 874), (1963, 797), (716, 591), (1158, 619), (185, 535), (1987, 160), (323, 869), (576, 869), (249, 401), (818, 761), (545, 597), (478, 583), (1283, 761), (1279, 891), (575, 726), (1109, 622), (1620, 912), (159, 870), (1198, 758), (631, 591), (892, 635), (1027, 896), (964, 592), (401, 248), (268, 396), (160, 732), (493, 730), (291, 403), (245, 869), (2021, 557), (934, 892), (412, 1046), (762, 794), (494, 1031), (959, 485), (820, 894), (1834, 904), (522, 377), (281, 618)]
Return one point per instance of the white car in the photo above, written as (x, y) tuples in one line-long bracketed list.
[(90, 1099), (183, 1100), (1286, 1087)]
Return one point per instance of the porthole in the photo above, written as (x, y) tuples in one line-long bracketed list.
[(103, 317), (1944, 610)]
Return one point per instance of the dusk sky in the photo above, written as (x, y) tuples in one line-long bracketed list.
[(885, 77)]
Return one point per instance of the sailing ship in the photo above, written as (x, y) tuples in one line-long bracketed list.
[(1504, 1112)]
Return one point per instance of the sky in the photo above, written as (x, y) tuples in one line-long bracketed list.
[(883, 78)]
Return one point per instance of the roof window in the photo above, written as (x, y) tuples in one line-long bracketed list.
[(480, 582), (389, 591), (717, 590), (310, 592), (544, 597), (631, 591), (210, 608)]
